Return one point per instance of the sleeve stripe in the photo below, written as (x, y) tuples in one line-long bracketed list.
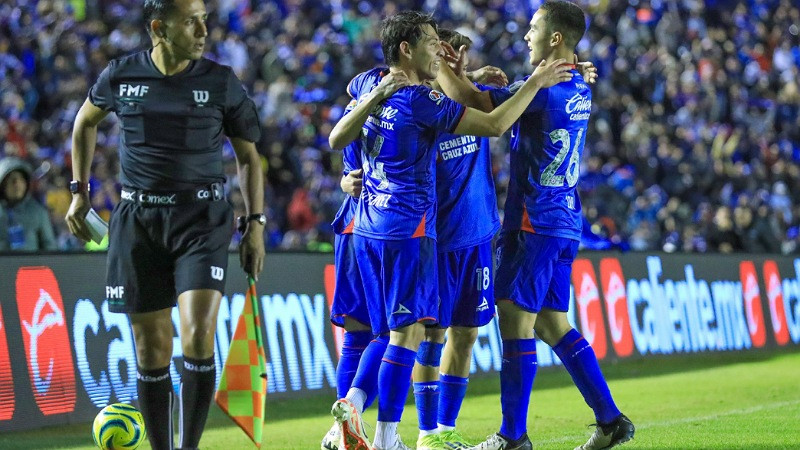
[(460, 118)]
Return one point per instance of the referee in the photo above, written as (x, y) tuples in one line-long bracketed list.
[(169, 234)]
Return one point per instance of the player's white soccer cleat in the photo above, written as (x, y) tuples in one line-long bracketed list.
[(498, 442), (349, 418), (398, 445), (333, 439), (616, 433)]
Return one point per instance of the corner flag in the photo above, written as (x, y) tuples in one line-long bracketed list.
[(243, 387)]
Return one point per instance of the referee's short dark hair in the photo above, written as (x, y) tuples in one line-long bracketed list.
[(403, 26), (156, 10), (567, 18)]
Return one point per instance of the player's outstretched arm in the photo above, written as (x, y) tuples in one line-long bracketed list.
[(84, 140), (495, 123), (251, 182), (456, 86), (348, 128)]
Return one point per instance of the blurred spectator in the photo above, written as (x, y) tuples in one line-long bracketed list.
[(24, 222)]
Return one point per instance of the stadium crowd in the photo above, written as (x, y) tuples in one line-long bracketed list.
[(694, 142)]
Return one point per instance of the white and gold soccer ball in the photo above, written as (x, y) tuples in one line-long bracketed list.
[(118, 427)]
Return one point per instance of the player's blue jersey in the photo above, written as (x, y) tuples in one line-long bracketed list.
[(351, 160), (465, 192), (399, 195), (546, 148)]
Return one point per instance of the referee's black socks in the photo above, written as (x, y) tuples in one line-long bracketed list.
[(155, 403), (197, 388)]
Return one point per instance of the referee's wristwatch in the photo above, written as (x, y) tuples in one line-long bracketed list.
[(78, 187), (242, 221), (258, 217)]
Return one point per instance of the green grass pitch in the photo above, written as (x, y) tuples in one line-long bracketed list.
[(744, 400)]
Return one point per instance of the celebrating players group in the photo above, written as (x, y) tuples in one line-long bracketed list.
[(414, 241)]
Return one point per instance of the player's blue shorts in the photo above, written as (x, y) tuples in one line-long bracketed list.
[(400, 281), (348, 295), (534, 270), (466, 292)]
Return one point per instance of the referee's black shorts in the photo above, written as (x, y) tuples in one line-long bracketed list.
[(155, 253)]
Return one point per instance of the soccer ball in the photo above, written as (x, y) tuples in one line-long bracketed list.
[(118, 427)]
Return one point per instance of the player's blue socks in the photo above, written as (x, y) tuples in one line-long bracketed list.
[(366, 377), (581, 363), (352, 348), (516, 381), (426, 392), (451, 394), (426, 397), (394, 379)]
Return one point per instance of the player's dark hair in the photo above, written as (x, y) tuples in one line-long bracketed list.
[(156, 10), (403, 26), (454, 38), (566, 18)]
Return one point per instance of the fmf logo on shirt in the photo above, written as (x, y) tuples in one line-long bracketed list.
[(436, 96), (47, 346)]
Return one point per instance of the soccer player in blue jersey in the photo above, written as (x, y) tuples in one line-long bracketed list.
[(349, 307), (466, 222), (540, 235), (395, 225)]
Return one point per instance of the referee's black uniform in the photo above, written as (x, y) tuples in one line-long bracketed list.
[(171, 231)]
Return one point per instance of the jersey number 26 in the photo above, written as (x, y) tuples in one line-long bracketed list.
[(549, 177)]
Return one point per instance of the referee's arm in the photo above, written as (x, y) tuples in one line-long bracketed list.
[(84, 140), (251, 182)]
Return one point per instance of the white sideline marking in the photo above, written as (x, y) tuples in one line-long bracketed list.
[(669, 423)]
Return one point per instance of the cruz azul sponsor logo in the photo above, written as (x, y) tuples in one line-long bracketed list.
[(436, 96), (619, 323), (578, 107), (458, 146), (752, 303), (6, 380), (46, 339), (587, 297)]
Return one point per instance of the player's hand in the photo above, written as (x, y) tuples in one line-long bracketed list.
[(251, 249), (550, 74), (489, 75), (453, 58), (353, 182), (76, 217), (390, 84), (587, 70)]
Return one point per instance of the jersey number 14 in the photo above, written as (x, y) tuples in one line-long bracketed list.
[(549, 177)]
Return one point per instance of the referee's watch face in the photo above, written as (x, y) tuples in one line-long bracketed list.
[(185, 31)]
